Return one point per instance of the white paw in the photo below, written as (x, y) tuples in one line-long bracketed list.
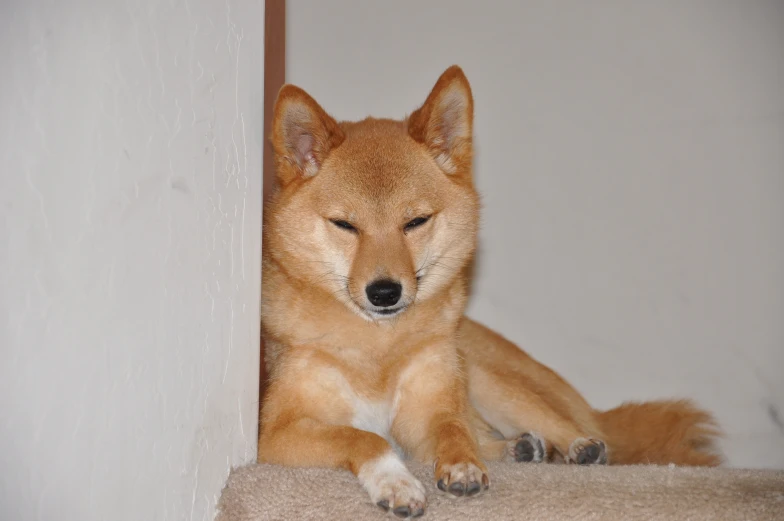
[(392, 487), (528, 447)]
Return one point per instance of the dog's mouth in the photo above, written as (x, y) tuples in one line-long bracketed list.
[(384, 313)]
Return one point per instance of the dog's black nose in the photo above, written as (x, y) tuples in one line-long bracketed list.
[(383, 293)]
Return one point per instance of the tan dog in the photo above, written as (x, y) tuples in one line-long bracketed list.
[(366, 246)]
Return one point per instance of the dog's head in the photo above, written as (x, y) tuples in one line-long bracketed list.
[(379, 213)]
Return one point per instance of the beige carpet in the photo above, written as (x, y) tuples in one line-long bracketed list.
[(518, 491)]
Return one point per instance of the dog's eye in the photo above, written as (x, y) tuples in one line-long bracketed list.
[(343, 224), (415, 223)]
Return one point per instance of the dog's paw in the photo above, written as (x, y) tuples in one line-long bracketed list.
[(585, 451), (392, 487), (462, 479), (528, 448)]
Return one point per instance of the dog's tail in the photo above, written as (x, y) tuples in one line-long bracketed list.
[(661, 433)]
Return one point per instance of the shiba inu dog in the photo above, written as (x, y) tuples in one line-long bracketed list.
[(366, 247)]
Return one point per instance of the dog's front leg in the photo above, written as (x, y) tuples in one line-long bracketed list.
[(432, 422), (307, 443)]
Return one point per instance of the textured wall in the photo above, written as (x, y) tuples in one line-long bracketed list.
[(631, 159), (130, 196)]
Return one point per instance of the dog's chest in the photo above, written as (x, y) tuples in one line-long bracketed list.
[(368, 410), (374, 416)]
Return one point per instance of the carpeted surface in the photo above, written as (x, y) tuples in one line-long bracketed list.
[(518, 491)]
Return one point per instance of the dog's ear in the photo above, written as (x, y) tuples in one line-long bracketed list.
[(445, 122), (303, 134)]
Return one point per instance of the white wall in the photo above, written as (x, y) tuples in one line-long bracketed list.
[(631, 158), (130, 151)]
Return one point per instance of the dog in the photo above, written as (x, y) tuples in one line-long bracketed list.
[(367, 246)]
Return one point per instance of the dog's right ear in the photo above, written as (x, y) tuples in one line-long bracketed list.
[(302, 135)]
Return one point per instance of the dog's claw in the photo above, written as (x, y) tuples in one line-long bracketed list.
[(473, 489), (457, 489)]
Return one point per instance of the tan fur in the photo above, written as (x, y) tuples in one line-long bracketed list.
[(688, 439), (427, 380)]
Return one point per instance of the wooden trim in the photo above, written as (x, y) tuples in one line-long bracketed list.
[(274, 78)]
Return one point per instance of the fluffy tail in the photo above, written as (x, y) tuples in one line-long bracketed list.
[(661, 432)]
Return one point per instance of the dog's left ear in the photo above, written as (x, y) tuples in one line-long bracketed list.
[(445, 122)]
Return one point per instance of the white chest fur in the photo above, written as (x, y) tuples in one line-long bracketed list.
[(372, 416), (375, 416)]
